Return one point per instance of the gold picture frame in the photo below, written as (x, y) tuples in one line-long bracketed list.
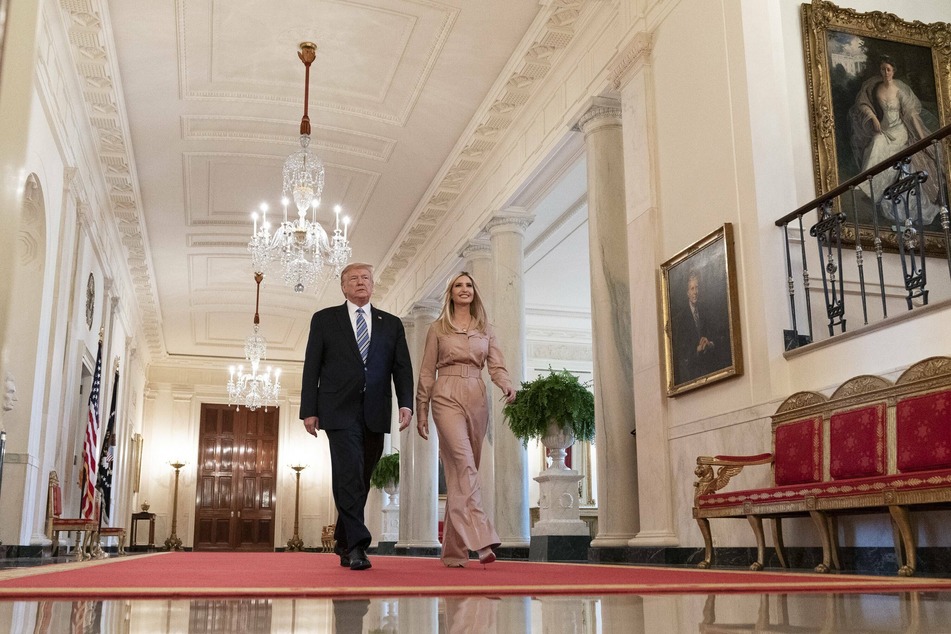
[(701, 314), (845, 52)]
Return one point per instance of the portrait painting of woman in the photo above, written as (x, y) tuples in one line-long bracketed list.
[(888, 117), (884, 98)]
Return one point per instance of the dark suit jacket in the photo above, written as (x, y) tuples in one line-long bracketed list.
[(336, 388), (690, 364)]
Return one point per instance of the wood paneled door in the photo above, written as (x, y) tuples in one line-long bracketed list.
[(237, 478)]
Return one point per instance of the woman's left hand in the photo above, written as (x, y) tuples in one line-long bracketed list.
[(509, 394)]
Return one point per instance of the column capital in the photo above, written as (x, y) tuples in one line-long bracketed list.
[(476, 249), (510, 220), (600, 112)]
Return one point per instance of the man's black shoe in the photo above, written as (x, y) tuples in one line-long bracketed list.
[(358, 559), (344, 557)]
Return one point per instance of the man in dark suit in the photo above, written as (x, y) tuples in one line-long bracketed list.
[(703, 346), (354, 354)]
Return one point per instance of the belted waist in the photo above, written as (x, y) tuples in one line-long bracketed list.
[(460, 369)]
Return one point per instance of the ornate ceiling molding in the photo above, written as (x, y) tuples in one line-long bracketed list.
[(94, 60), (524, 81)]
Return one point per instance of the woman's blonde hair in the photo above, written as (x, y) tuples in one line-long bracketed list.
[(476, 308)]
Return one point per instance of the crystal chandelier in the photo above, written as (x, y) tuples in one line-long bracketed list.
[(254, 389), (306, 254)]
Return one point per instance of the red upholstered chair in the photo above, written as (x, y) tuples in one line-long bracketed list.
[(924, 432), (327, 541), (55, 523), (857, 442), (109, 531)]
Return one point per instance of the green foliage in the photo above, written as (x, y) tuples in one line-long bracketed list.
[(387, 470), (557, 396)]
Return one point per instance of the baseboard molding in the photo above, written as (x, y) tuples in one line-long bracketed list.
[(864, 560)]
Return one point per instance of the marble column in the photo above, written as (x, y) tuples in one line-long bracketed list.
[(419, 459), (478, 257), (656, 491), (507, 231), (616, 451)]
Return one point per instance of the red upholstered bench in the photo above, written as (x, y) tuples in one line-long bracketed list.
[(873, 446)]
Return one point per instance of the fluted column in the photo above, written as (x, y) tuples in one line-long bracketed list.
[(478, 257), (419, 459), (610, 325), (507, 231)]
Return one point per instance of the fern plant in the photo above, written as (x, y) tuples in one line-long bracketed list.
[(556, 396), (386, 470)]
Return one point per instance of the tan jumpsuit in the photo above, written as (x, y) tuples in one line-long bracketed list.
[(450, 376)]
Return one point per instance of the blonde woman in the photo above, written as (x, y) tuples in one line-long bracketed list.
[(459, 344)]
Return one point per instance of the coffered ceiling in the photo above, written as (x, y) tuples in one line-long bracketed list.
[(197, 104)]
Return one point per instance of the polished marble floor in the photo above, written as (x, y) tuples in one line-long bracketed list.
[(629, 614)]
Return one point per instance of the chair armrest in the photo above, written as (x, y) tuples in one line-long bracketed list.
[(735, 461), (729, 466)]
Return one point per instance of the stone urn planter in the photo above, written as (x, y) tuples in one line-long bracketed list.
[(556, 440), (555, 408), (386, 476)]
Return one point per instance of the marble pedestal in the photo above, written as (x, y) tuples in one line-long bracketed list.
[(391, 516), (559, 534)]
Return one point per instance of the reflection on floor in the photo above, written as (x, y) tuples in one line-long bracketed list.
[(631, 614), (917, 612)]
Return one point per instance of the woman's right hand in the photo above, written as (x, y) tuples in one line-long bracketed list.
[(422, 426)]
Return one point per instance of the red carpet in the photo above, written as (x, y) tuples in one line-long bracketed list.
[(297, 575)]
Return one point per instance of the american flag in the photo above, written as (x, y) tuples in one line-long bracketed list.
[(87, 478), (107, 455)]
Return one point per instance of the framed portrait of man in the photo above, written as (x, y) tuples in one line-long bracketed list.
[(875, 84), (701, 322)]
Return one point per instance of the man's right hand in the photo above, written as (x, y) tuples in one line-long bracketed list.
[(312, 425)]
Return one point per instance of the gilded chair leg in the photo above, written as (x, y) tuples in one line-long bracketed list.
[(822, 525), (80, 546), (707, 542), (834, 540), (902, 518), (897, 540), (778, 542), (756, 522)]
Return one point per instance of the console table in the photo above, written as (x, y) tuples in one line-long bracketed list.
[(136, 518)]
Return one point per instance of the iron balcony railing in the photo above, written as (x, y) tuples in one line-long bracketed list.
[(898, 208)]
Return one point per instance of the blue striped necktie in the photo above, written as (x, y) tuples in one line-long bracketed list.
[(363, 336)]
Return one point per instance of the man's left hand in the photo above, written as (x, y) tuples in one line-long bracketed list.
[(406, 415)]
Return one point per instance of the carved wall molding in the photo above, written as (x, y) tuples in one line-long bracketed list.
[(524, 81), (632, 59), (94, 63)]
